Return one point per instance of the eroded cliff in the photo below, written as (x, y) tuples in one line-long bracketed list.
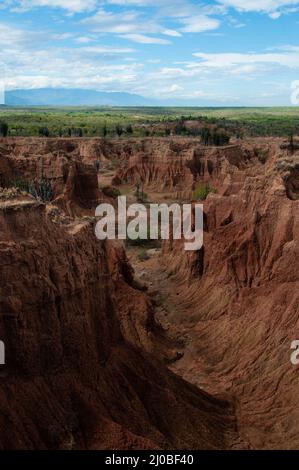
[(239, 302), (80, 370), (91, 349)]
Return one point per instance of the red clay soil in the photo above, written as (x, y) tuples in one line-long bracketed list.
[(94, 360), (238, 301), (77, 374)]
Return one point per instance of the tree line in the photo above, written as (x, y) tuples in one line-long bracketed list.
[(79, 131), (4, 129)]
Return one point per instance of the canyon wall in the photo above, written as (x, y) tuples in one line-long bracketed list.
[(160, 163), (239, 299), (86, 358), (84, 354), (181, 164)]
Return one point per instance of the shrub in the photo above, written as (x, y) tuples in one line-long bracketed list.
[(202, 191), (20, 184), (144, 243), (119, 130), (3, 129), (78, 132), (42, 190), (143, 255), (110, 191), (217, 138), (129, 129), (38, 189), (180, 127), (112, 165), (97, 165), (140, 195), (263, 156), (44, 132)]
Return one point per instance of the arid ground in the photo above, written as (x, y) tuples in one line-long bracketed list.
[(113, 345)]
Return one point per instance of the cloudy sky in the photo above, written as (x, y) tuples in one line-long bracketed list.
[(227, 52)]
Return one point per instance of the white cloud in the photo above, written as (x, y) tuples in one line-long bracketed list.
[(83, 39), (142, 39), (275, 15), (198, 24), (105, 50), (234, 22), (288, 59), (138, 3), (61, 36), (10, 35), (29, 62), (40, 58), (73, 6), (170, 8), (174, 88), (171, 32), (262, 6), (108, 22), (87, 71), (135, 23), (229, 69)]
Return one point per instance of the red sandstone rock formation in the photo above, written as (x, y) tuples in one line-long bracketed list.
[(180, 164), (84, 352), (239, 300), (76, 332), (74, 183)]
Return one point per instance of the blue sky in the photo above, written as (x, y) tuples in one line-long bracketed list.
[(225, 52)]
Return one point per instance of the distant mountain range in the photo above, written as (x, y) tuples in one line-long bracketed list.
[(83, 97), (73, 97)]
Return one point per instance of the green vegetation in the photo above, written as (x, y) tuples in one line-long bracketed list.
[(3, 129), (202, 191), (140, 195), (214, 137), (146, 243), (41, 190), (142, 243), (143, 255), (112, 165), (110, 191), (116, 122), (20, 184), (72, 122)]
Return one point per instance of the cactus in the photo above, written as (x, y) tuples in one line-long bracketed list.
[(42, 190), (38, 189)]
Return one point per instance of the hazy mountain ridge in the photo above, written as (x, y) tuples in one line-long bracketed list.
[(73, 97), (89, 97)]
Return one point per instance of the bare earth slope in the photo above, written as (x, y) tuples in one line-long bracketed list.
[(237, 300), (78, 336), (85, 341)]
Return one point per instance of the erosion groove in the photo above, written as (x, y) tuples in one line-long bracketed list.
[(183, 350)]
